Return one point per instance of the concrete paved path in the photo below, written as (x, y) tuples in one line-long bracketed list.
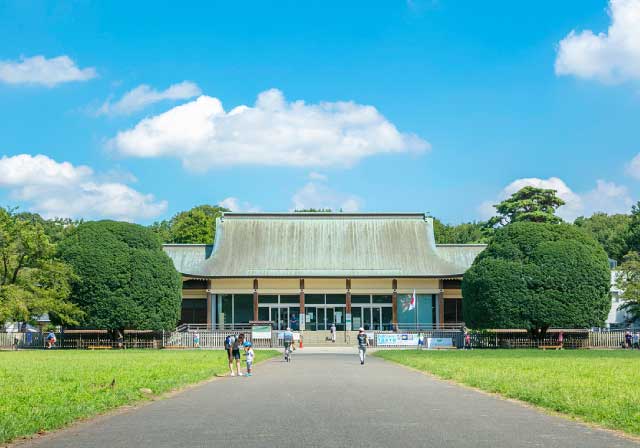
[(329, 400)]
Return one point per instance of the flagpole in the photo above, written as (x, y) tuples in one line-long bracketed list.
[(415, 297)]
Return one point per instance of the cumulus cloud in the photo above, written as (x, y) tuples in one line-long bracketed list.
[(613, 56), (317, 194), (60, 189), (273, 132), (143, 96), (235, 205), (43, 71), (606, 197), (633, 167)]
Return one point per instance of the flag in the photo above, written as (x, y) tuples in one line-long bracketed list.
[(412, 303)]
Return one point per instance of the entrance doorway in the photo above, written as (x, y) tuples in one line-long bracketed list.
[(280, 316), (321, 317)]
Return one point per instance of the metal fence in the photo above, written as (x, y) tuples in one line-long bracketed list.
[(214, 339)]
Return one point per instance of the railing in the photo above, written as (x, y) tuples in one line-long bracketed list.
[(214, 338)]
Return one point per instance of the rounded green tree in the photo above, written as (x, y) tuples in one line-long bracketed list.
[(125, 279), (537, 276)]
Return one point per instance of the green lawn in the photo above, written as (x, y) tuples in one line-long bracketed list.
[(601, 387), (43, 390)]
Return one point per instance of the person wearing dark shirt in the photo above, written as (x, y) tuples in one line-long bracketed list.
[(363, 343)]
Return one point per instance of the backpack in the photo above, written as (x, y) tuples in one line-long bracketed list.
[(228, 342)]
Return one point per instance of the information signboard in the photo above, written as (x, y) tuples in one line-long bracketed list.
[(261, 332), (439, 342)]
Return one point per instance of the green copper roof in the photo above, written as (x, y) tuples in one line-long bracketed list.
[(322, 245), (460, 254)]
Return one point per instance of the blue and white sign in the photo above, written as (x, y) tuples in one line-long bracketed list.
[(396, 339)]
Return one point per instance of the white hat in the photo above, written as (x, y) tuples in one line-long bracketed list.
[(360, 329)]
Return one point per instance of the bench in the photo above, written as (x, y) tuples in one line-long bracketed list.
[(99, 347), (550, 347)]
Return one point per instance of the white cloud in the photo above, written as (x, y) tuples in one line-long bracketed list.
[(236, 205), (605, 197), (60, 189), (633, 167), (317, 176), (143, 96), (40, 70), (609, 57), (273, 132), (318, 195)]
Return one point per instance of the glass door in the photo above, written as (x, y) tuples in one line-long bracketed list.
[(330, 317), (377, 319), (321, 319), (283, 317), (356, 317), (311, 317), (366, 318)]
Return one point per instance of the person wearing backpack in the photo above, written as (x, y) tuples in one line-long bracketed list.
[(228, 346)]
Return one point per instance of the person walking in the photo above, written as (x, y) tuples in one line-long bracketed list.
[(287, 339), (561, 339), (636, 340), (333, 332), (467, 340), (363, 343), (627, 339)]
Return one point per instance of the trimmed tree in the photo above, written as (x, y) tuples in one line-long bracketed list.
[(537, 276), (529, 204), (125, 278)]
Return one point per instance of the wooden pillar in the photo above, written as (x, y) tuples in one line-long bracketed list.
[(302, 317), (394, 303), (441, 304), (301, 296), (255, 299), (348, 296)]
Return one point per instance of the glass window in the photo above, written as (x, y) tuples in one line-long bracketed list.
[(290, 299), (263, 313), (225, 316), (336, 299), (314, 299), (194, 311), (452, 310), (360, 299), (382, 299), (387, 316), (267, 299), (242, 308), (356, 317)]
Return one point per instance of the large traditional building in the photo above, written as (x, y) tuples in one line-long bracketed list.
[(309, 270)]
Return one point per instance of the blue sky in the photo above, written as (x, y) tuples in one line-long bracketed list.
[(439, 106)]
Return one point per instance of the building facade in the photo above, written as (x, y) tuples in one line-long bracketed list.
[(311, 270)]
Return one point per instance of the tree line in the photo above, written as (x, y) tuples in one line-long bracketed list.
[(115, 275)]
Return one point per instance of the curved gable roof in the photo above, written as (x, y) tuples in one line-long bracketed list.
[(318, 245)]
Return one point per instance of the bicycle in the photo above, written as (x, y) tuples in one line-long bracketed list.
[(287, 352)]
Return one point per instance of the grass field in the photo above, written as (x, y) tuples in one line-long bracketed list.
[(44, 390), (601, 387)]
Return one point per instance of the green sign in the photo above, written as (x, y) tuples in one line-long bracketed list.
[(261, 332)]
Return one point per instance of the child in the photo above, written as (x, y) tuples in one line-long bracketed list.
[(250, 355), (51, 340), (196, 340)]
